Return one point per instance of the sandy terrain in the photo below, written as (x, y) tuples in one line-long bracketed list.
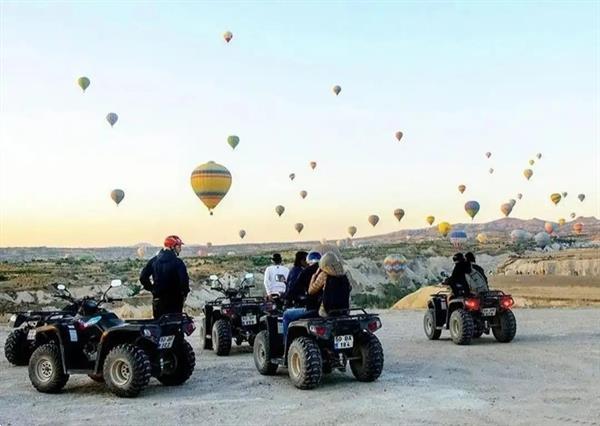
[(550, 375)]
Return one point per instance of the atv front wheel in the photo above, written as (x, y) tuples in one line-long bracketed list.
[(46, 369), (205, 342), (305, 364), (262, 354), (431, 331), (461, 327), (181, 361), (507, 329), (368, 364), (126, 370), (221, 337), (17, 348)]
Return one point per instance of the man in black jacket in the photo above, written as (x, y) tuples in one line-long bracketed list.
[(457, 281), (170, 283)]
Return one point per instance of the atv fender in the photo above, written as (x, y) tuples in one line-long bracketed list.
[(50, 333), (270, 323)]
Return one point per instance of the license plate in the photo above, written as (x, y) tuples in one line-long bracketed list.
[(343, 342), (166, 342), (249, 320), (280, 328), (31, 334), (488, 312)]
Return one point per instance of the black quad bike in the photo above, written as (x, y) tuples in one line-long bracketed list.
[(234, 316), (20, 343), (469, 317), (124, 354), (317, 346)]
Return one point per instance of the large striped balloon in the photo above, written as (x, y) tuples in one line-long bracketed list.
[(211, 182)]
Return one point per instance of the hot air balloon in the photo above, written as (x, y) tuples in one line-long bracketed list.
[(578, 228), (242, 234), (519, 236), (581, 197), (482, 238), (233, 141), (228, 35), (303, 194), (531, 162), (472, 208), (528, 173), (279, 210), (373, 219), (209, 244), (564, 194), (488, 154), (555, 198), (292, 176), (399, 213), (313, 164), (394, 266), (458, 238), (352, 230), (491, 170), (430, 220), (542, 239), (337, 90), (83, 82), (444, 228), (573, 215), (506, 208), (399, 135), (512, 202), (117, 195), (210, 182), (298, 227), (519, 195), (539, 155), (550, 227), (561, 222), (461, 188), (112, 118), (141, 252)]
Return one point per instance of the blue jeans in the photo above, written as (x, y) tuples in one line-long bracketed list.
[(290, 315)]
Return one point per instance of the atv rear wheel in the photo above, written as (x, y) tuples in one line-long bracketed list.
[(126, 370), (369, 363), (431, 332), (262, 355), (17, 348), (221, 337), (477, 329), (507, 329), (305, 364), (182, 362), (46, 369), (205, 342), (461, 327)]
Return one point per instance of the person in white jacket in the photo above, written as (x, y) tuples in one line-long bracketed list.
[(276, 277)]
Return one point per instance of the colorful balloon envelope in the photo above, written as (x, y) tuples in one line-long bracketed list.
[(506, 208), (539, 155), (444, 228), (581, 197), (491, 170), (83, 82), (228, 35), (313, 165), (210, 182), (561, 222), (458, 238), (112, 118), (482, 238), (233, 141), (472, 208), (519, 195), (299, 227), (242, 234), (573, 215), (564, 194), (117, 195), (550, 227), (531, 162), (528, 173), (337, 89), (373, 219), (292, 176), (303, 194), (399, 214), (352, 230), (394, 266), (555, 198), (512, 202), (399, 135), (488, 154), (461, 188), (578, 228), (279, 210), (519, 236), (141, 252), (430, 220)]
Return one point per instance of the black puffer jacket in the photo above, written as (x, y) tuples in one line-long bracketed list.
[(170, 280), (457, 281)]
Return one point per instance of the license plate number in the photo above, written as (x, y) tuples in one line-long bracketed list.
[(31, 334), (488, 312), (166, 342), (343, 342), (249, 320)]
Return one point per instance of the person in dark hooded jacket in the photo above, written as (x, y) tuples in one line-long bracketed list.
[(170, 282), (457, 281)]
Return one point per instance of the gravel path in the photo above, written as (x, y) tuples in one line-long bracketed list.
[(550, 374)]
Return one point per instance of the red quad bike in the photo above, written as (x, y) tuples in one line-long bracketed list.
[(470, 316)]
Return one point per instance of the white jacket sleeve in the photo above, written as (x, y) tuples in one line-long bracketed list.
[(267, 281)]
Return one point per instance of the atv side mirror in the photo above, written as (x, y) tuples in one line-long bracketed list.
[(443, 274), (61, 287), (213, 278), (116, 283), (249, 276)]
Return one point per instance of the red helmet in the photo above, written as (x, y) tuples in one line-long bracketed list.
[(172, 241)]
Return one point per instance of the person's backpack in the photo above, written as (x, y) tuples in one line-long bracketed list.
[(476, 281)]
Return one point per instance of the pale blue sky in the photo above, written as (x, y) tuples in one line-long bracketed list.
[(459, 79)]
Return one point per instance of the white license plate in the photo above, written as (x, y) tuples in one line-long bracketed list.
[(343, 342), (31, 334), (279, 328), (249, 320), (488, 312), (166, 342)]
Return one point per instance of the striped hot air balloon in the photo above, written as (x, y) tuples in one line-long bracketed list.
[(472, 208), (394, 266), (211, 182), (457, 238)]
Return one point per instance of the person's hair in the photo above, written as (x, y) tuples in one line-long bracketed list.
[(458, 257), (300, 257), (470, 257), (277, 258)]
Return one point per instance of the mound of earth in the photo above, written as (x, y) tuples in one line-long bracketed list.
[(418, 299)]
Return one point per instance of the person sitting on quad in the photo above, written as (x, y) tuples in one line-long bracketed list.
[(332, 286), (170, 282), (476, 279), (276, 278), (458, 281), (299, 265), (470, 257)]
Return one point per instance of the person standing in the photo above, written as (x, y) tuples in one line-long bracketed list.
[(170, 282), (276, 277)]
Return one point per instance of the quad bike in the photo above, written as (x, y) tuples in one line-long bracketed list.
[(20, 344), (124, 354), (234, 316), (317, 346), (469, 317)]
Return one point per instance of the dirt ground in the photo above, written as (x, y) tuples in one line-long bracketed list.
[(550, 374)]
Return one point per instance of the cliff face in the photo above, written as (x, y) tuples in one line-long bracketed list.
[(568, 263)]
